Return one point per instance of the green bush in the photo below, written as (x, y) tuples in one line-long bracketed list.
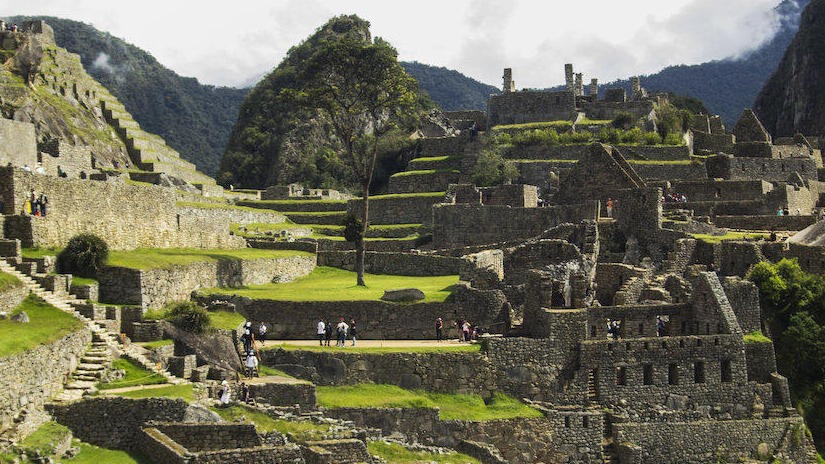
[(652, 138), (84, 255), (188, 316), (632, 136), (672, 139), (537, 137), (611, 135), (504, 139), (353, 228), (492, 169), (623, 120)]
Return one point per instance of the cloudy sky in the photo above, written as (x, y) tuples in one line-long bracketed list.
[(229, 43)]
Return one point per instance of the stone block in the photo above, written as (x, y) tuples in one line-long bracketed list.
[(403, 294), (182, 366)]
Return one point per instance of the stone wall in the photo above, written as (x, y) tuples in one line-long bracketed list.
[(655, 152), (462, 225), (437, 181), (718, 190), (713, 143), (115, 422), (743, 296), (208, 437), (652, 171), (285, 394), (390, 209), (125, 216), (769, 169), (11, 297), (701, 441), (32, 377), (376, 319), (761, 361), (230, 215), (343, 451), (74, 160), (766, 222), (157, 287), (409, 264), (18, 145), (530, 106), (601, 110)]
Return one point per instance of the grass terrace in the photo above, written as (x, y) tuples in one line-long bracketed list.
[(77, 280), (332, 284), (663, 162), (183, 391), (595, 122), (452, 406), (37, 252), (46, 325), (159, 258), (196, 204), (443, 348), (298, 202), (157, 343), (135, 375), (756, 337), (534, 125), (729, 236), (300, 430), (407, 195), (425, 172), (224, 320), (8, 281), (397, 454), (427, 159)]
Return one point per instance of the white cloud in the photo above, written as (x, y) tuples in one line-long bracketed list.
[(225, 44)]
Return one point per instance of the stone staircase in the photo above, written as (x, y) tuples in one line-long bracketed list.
[(104, 347)]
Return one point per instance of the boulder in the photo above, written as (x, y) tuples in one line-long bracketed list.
[(199, 414), (403, 294), (21, 317)]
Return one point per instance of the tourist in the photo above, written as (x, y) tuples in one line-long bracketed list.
[(244, 393), (473, 130), (224, 393), (660, 326), (609, 207), (44, 201), (252, 363), (772, 236), (34, 206), (786, 211), (262, 333), (39, 169), (458, 324), (328, 332), (352, 331), (27, 206), (322, 330), (439, 326), (342, 333), (779, 211), (27, 168), (60, 172), (246, 339), (465, 327)]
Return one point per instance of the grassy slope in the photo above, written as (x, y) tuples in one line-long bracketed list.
[(8, 281), (301, 431), (453, 406), (728, 236), (331, 284), (154, 258), (397, 454), (46, 324), (173, 391), (135, 375), (45, 437)]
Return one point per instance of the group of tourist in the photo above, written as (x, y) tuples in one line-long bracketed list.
[(784, 211), (341, 330), (12, 28), (674, 198), (248, 339), (467, 332), (225, 394), (35, 204)]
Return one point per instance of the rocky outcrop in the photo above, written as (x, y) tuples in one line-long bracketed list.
[(792, 99)]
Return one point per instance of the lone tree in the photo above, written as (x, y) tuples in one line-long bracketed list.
[(363, 91)]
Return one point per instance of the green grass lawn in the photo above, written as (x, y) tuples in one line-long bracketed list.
[(397, 454), (83, 280), (183, 391), (301, 431), (8, 281), (408, 195), (452, 406), (267, 371), (135, 375), (661, 162), (756, 337), (157, 344), (729, 236), (46, 437), (445, 348), (157, 258), (38, 252), (207, 205), (298, 202), (427, 159), (46, 324), (534, 125), (91, 454), (332, 284), (227, 320)]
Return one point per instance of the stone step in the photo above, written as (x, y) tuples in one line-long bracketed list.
[(80, 385), (94, 359), (89, 367), (85, 378)]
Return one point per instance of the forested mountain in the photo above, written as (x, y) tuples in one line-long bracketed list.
[(193, 118), (450, 89), (793, 99)]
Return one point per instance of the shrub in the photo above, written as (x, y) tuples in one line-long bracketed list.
[(611, 135), (188, 316), (672, 139), (537, 137), (504, 139), (623, 120), (634, 135), (84, 255), (652, 138), (353, 228), (492, 169)]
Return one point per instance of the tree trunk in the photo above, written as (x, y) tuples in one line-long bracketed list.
[(359, 245)]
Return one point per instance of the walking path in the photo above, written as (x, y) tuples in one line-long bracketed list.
[(372, 343)]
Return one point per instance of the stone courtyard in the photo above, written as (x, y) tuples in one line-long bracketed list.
[(618, 323)]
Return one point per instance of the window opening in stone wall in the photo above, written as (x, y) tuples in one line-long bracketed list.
[(727, 373), (707, 328), (647, 345), (647, 374), (641, 328), (673, 374), (627, 346), (684, 327), (567, 422), (178, 218), (585, 421), (699, 372), (698, 342), (621, 376), (681, 343), (593, 331), (716, 341)]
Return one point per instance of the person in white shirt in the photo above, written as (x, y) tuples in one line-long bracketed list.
[(225, 394), (262, 333), (251, 363), (322, 328), (342, 333)]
